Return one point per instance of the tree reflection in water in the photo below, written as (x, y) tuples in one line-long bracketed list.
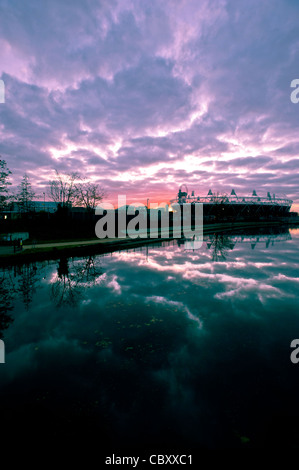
[(6, 294), (27, 282), (73, 277), (20, 279), (219, 244)]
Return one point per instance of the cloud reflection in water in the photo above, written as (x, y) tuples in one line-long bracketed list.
[(158, 345)]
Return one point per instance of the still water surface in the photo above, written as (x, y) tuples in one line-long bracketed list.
[(158, 347)]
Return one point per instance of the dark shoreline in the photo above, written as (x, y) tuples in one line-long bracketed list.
[(87, 247)]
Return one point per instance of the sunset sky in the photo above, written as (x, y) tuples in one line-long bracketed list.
[(143, 96)]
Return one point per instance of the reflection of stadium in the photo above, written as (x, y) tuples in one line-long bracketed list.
[(220, 243)]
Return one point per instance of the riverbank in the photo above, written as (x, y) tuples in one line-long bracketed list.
[(50, 251)]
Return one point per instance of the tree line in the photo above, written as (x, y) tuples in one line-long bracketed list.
[(66, 190)]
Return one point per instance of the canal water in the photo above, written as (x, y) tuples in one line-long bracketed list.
[(166, 347)]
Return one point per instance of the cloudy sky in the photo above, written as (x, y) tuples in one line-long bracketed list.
[(143, 96)]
